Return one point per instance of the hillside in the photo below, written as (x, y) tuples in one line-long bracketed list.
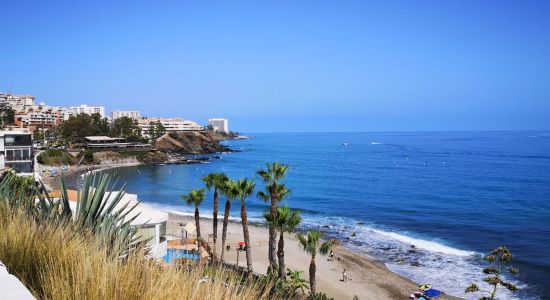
[(192, 142)]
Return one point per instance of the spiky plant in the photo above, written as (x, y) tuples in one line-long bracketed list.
[(99, 209), (296, 282), (272, 175), (195, 198), (311, 243)]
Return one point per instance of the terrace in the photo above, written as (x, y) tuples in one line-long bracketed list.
[(105, 143)]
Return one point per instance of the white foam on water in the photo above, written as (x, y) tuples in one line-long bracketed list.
[(424, 244), (376, 143), (447, 268)]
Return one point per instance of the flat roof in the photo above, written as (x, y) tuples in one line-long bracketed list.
[(96, 138), (145, 213)]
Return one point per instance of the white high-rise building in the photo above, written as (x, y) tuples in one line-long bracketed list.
[(169, 124), (89, 110), (219, 124), (132, 114)]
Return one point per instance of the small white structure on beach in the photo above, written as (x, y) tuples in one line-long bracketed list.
[(151, 222)]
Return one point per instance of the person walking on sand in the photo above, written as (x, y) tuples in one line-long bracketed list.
[(344, 276)]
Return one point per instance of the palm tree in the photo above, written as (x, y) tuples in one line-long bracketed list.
[(195, 198), (245, 188), (286, 220), (311, 244), (231, 192), (273, 173), (217, 182)]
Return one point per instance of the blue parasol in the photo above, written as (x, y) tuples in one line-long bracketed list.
[(432, 293)]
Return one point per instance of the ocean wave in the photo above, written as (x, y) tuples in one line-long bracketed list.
[(376, 143), (422, 260), (426, 245)]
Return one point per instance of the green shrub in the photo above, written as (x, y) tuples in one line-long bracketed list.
[(56, 157), (88, 156)]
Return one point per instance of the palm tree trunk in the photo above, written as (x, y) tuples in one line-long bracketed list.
[(281, 255), (273, 237), (312, 269), (224, 229), (244, 221), (215, 225), (197, 223)]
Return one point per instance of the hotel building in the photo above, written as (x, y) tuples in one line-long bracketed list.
[(85, 109), (219, 124), (170, 124), (132, 114)]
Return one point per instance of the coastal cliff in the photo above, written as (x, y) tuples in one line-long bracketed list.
[(193, 142)]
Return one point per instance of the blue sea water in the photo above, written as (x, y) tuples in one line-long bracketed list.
[(454, 195)]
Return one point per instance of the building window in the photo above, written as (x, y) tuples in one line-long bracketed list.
[(20, 167), (18, 140)]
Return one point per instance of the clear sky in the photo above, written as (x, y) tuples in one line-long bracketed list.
[(289, 65)]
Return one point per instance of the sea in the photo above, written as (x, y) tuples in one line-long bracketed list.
[(453, 195)]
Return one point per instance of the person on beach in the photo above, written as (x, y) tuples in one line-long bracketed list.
[(344, 276), (331, 255)]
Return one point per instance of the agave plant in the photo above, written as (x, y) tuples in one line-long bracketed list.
[(98, 210)]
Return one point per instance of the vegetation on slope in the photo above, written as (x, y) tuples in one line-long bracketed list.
[(56, 157)]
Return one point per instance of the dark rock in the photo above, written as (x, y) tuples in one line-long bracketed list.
[(192, 142)]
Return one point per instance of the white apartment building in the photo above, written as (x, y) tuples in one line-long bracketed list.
[(170, 124), (17, 102), (16, 150), (219, 124), (85, 109), (40, 116), (132, 114)]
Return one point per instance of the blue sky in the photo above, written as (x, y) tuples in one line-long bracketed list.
[(276, 66)]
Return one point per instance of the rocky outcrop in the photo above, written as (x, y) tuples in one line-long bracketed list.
[(193, 142), (109, 157)]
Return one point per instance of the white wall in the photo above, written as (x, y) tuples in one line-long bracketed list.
[(11, 287)]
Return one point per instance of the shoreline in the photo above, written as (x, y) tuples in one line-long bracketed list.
[(73, 173), (371, 279)]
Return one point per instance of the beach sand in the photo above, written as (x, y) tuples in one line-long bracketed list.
[(370, 278)]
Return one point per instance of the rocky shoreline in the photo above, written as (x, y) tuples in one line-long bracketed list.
[(171, 148)]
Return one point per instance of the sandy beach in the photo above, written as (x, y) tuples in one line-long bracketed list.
[(370, 279)]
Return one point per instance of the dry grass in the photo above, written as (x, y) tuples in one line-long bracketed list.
[(60, 263)]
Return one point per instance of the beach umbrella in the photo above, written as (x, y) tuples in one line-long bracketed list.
[(425, 287), (190, 228), (432, 293)]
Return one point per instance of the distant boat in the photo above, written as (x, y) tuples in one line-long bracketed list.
[(345, 144)]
